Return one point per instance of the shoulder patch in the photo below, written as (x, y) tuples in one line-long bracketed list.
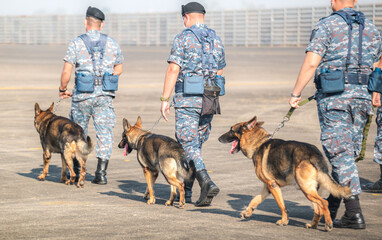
[(314, 31)]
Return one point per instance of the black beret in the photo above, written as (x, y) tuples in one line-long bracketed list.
[(95, 13), (193, 7)]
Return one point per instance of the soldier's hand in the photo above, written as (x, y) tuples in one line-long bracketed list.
[(376, 99), (294, 101), (165, 109), (65, 94)]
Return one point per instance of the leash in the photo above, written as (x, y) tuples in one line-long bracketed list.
[(57, 104), (289, 114), (160, 117), (364, 140)]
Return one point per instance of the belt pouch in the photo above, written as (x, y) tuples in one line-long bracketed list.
[(375, 82), (193, 85), (85, 83), (220, 82), (110, 82), (332, 82), (210, 104)]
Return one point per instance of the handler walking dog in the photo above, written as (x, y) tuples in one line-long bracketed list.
[(279, 163)]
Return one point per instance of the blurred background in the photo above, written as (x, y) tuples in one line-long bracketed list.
[(155, 23)]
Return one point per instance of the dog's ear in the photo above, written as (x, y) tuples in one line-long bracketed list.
[(126, 125), (37, 109), (138, 124), (251, 123), (51, 107), (259, 124)]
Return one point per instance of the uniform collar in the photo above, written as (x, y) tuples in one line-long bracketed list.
[(93, 32), (199, 25), (347, 9)]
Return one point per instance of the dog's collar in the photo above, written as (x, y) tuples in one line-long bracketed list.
[(135, 146)]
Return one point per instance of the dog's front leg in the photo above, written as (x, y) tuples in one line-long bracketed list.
[(46, 158), (148, 176), (255, 202)]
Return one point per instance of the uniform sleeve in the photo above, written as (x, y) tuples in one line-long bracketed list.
[(177, 52), (319, 40), (119, 57), (70, 56), (222, 63)]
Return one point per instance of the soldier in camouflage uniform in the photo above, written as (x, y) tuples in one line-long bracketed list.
[(343, 114), (99, 103), (192, 129), (377, 186)]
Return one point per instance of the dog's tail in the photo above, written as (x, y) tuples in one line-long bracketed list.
[(186, 170), (332, 186), (85, 146)]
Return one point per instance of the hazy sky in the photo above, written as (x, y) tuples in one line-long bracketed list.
[(29, 7)]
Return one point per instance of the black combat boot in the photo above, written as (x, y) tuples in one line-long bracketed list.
[(188, 190), (208, 189), (100, 173), (353, 217), (76, 169), (375, 187), (334, 204)]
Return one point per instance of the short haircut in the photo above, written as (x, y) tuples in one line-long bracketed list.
[(93, 21)]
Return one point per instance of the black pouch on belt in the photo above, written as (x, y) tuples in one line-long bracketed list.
[(211, 100)]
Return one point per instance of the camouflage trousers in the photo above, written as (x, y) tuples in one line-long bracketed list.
[(102, 110), (342, 122), (378, 138), (191, 131)]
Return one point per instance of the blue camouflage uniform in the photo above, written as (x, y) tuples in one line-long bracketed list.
[(98, 104), (378, 138), (343, 115), (192, 129)]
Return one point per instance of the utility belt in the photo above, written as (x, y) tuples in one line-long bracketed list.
[(195, 85), (86, 83), (334, 82)]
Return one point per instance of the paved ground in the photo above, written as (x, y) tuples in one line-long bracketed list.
[(259, 83)]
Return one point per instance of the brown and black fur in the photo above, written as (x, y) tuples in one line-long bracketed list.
[(279, 163), (157, 153), (60, 135)]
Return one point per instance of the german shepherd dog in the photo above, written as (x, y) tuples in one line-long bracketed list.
[(157, 153), (60, 135), (279, 163)]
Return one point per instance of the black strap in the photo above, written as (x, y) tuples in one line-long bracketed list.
[(206, 36), (95, 46), (351, 17)]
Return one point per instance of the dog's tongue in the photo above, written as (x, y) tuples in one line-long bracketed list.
[(125, 151), (234, 144)]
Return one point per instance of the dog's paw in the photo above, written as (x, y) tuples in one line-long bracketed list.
[(308, 226), (169, 203), (245, 214), (41, 177), (80, 184), (151, 201), (182, 204), (328, 227), (146, 196), (282, 222)]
